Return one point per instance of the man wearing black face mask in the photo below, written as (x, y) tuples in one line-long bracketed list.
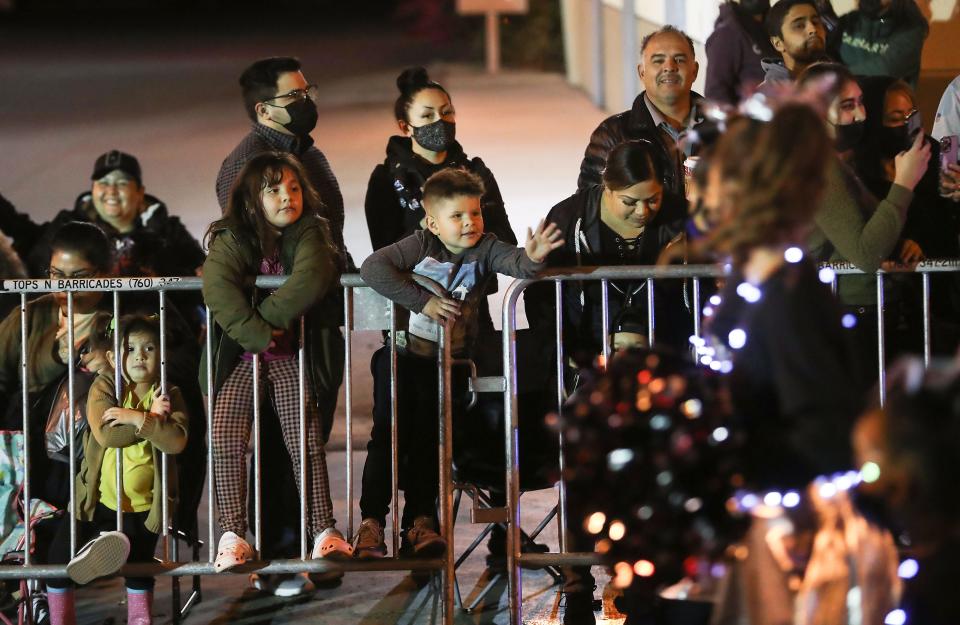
[(280, 103), (735, 48), (884, 38)]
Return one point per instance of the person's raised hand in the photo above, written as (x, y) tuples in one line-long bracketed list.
[(542, 241), (442, 309), (911, 164)]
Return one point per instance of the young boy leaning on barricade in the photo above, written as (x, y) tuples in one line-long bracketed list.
[(439, 275)]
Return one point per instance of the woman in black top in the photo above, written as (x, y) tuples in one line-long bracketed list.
[(426, 144), (628, 220)]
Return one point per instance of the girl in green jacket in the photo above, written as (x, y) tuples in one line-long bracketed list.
[(271, 227)]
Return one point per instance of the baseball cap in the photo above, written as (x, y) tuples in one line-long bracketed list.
[(115, 159)]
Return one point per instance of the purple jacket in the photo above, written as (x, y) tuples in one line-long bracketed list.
[(734, 50)]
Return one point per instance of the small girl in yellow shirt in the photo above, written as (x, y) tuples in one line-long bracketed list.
[(145, 424)]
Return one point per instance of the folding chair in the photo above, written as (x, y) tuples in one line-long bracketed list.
[(479, 471)]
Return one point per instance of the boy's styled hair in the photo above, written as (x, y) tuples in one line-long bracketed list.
[(259, 81), (244, 214), (87, 240), (778, 13), (451, 183)]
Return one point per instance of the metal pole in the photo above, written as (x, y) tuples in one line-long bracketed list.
[(493, 42), (302, 387), (164, 459), (25, 407), (257, 486), (394, 436), (596, 56), (926, 319), (511, 432), (211, 494), (71, 435), (562, 515), (628, 32), (605, 320), (348, 390), (696, 312), (651, 317), (881, 347), (118, 389), (445, 427)]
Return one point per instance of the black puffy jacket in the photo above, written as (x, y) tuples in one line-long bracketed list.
[(632, 125)]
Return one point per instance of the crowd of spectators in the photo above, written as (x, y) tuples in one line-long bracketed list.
[(827, 164)]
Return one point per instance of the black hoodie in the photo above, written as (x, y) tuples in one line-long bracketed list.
[(394, 193), (734, 51)]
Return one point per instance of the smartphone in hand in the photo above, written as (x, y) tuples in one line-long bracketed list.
[(949, 153), (914, 125)]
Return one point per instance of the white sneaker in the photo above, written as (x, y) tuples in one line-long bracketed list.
[(104, 555), (231, 551), (331, 544), (294, 586)]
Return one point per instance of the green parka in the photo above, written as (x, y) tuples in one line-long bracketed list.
[(245, 317)]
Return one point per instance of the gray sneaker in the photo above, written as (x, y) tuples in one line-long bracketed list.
[(104, 555), (368, 542)]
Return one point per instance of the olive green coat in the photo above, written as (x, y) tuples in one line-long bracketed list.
[(245, 317)]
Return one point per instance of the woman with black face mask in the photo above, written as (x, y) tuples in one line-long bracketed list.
[(851, 224), (884, 38), (426, 144), (933, 223)]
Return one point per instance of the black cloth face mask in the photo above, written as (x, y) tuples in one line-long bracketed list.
[(849, 135), (436, 136), (893, 140), (303, 117)]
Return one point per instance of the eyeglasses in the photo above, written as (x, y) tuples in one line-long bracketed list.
[(310, 92), (900, 117), (56, 274)]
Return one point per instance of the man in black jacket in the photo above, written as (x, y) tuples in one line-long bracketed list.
[(663, 113)]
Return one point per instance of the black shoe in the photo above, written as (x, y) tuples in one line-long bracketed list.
[(497, 548), (578, 608)]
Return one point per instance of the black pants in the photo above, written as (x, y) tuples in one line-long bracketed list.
[(143, 542), (417, 429)]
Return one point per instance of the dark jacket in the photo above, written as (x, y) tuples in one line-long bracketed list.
[(734, 51), (394, 193), (264, 139), (578, 217), (158, 241), (245, 318), (793, 381), (631, 125), (886, 46)]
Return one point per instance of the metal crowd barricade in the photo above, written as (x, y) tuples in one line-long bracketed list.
[(376, 313), (169, 566), (695, 273)]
